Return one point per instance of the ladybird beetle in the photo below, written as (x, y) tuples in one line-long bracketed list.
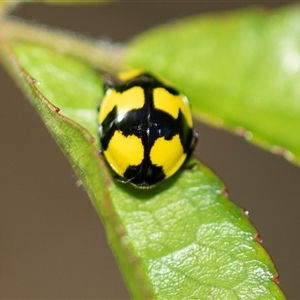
[(145, 127)]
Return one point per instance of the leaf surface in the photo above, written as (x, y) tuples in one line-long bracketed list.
[(180, 240)]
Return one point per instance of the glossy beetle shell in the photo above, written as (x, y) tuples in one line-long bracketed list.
[(146, 129)]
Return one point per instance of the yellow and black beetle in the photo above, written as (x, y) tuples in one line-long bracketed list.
[(145, 127)]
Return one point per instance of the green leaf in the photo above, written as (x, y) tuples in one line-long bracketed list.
[(180, 240), (240, 70), (192, 243), (75, 103)]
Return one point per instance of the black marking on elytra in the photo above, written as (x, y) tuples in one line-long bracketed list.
[(148, 124), (107, 128), (145, 177)]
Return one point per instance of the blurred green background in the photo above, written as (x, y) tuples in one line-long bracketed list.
[(52, 243)]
